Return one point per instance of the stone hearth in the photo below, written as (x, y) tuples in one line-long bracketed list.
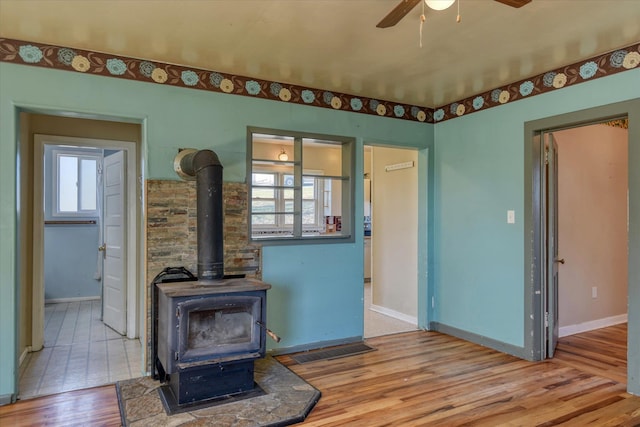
[(287, 400)]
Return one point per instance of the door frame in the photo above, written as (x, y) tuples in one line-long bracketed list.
[(425, 305), (534, 242), (37, 328), (549, 287)]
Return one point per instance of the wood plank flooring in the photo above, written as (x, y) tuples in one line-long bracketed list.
[(90, 407), (425, 379), (601, 352)]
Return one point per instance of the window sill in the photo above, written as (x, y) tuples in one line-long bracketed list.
[(306, 239)]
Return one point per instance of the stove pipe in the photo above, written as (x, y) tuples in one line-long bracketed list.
[(205, 166)]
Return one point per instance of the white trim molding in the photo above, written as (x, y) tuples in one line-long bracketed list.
[(23, 356), (75, 299), (395, 314), (592, 324)]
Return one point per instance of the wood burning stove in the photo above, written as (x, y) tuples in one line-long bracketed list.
[(207, 331), (209, 337)]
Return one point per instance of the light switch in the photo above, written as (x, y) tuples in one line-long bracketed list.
[(511, 217)]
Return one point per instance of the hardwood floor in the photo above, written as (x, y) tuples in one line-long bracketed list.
[(425, 379), (90, 407), (601, 352)]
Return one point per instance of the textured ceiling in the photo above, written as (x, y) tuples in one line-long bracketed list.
[(334, 44)]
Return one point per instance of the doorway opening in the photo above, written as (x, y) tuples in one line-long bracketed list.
[(584, 219), (592, 226), (390, 240), (544, 251), (83, 210), (586, 232)]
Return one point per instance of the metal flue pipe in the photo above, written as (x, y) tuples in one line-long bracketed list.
[(205, 166)]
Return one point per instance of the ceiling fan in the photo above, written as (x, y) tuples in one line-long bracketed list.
[(405, 6)]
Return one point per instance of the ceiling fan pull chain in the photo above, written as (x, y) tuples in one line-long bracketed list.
[(458, 19)]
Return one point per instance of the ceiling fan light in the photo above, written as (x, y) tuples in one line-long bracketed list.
[(439, 4)]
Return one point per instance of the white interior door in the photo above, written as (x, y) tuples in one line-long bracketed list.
[(114, 293)]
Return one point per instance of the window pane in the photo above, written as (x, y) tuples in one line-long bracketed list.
[(309, 212), (288, 206), (263, 219), (263, 179), (269, 147), (67, 184), (284, 227), (308, 188), (301, 184), (288, 220), (258, 206), (88, 184), (288, 194), (332, 199), (262, 193), (267, 206), (322, 155)]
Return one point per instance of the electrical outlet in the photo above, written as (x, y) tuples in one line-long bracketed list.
[(511, 217), (594, 292)]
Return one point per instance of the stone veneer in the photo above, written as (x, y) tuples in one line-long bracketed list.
[(171, 231)]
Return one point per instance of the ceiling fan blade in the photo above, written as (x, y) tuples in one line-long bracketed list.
[(399, 12), (514, 3)]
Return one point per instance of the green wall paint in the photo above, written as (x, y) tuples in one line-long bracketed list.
[(318, 292), (317, 289), (479, 174), (478, 257)]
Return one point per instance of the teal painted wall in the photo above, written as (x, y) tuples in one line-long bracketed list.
[(479, 174), (317, 289)]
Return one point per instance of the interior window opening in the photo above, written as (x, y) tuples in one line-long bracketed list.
[(301, 186)]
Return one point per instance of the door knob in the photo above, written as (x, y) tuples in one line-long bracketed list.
[(102, 248), (560, 260)]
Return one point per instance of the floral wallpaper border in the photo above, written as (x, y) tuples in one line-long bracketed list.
[(83, 61), (620, 123), (603, 65)]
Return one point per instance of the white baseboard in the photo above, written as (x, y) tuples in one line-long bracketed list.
[(76, 299), (395, 314), (592, 324), (23, 355)]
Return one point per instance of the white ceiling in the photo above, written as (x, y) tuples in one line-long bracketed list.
[(334, 44)]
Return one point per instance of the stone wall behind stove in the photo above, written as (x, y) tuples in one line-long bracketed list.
[(171, 228), (171, 231)]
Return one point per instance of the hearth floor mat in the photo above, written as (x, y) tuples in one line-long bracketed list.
[(287, 400), (332, 352)]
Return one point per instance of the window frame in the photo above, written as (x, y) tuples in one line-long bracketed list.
[(280, 201), (302, 233), (81, 155)]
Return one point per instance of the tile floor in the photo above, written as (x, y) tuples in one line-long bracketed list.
[(377, 324), (79, 352)]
